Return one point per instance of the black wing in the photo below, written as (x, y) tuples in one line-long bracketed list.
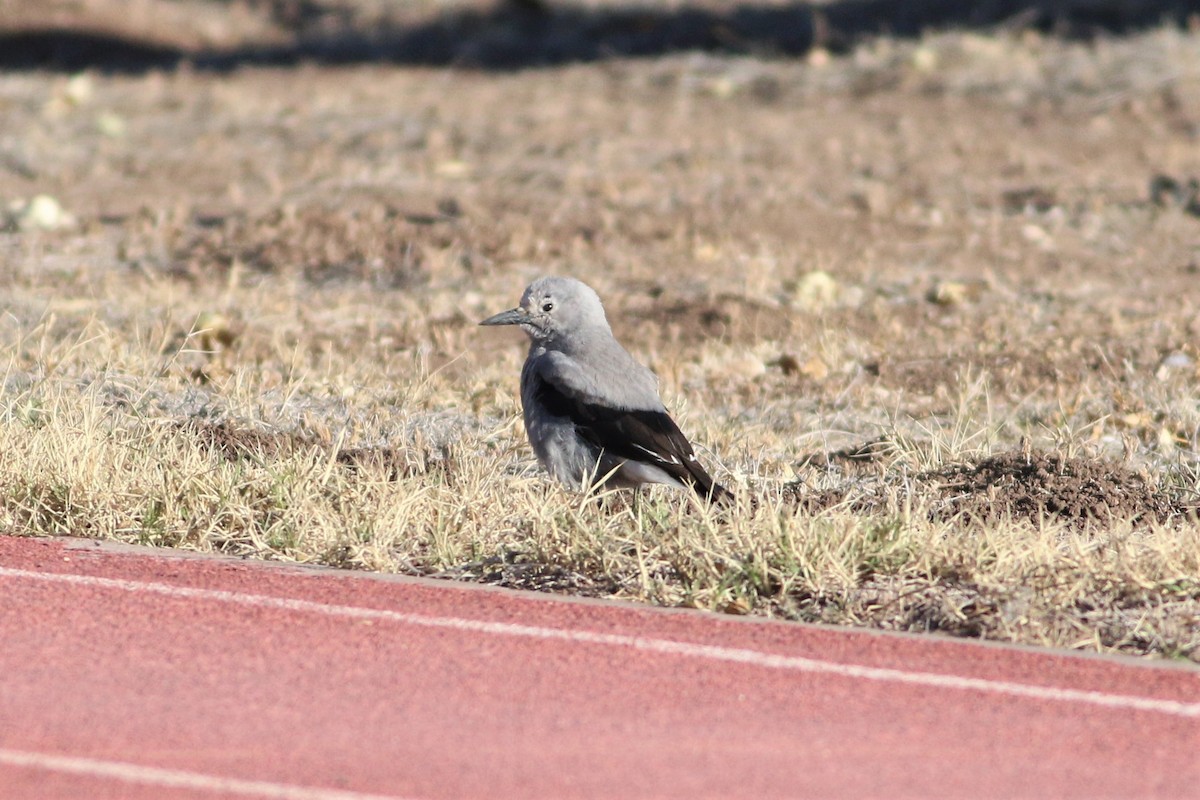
[(649, 437)]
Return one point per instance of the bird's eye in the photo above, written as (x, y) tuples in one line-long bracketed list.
[(547, 306)]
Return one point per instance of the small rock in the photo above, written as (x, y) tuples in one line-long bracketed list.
[(949, 293), (815, 290), (43, 212), (1036, 234), (79, 89)]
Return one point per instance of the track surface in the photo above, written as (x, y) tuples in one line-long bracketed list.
[(149, 676)]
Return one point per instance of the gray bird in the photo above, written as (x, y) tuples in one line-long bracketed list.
[(592, 412)]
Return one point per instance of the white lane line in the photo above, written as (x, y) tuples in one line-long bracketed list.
[(667, 646), (176, 779)]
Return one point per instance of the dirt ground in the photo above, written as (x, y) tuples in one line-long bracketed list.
[(873, 250)]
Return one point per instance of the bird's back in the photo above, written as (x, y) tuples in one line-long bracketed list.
[(601, 369)]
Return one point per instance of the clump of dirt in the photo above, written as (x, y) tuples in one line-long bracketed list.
[(324, 245), (1040, 484), (1015, 485)]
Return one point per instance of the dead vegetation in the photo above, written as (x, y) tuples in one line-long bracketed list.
[(928, 304)]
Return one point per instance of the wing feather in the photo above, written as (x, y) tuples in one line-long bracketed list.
[(646, 436)]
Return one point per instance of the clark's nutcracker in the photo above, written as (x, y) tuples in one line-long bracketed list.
[(592, 413)]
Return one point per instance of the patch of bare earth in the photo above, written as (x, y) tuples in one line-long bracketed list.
[(1034, 486), (1052, 486)]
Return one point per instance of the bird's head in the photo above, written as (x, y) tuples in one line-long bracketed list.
[(555, 309)]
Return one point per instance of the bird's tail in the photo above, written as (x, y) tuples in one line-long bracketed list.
[(710, 490), (720, 495)]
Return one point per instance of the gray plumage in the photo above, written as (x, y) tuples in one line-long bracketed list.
[(592, 412)]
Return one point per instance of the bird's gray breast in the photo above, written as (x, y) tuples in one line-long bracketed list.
[(557, 445)]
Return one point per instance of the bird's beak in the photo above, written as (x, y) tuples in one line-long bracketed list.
[(512, 317)]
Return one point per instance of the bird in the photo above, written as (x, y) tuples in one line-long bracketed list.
[(592, 412)]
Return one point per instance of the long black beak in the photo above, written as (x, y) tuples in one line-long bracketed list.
[(513, 316)]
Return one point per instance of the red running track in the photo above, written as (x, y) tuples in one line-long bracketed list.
[(136, 674)]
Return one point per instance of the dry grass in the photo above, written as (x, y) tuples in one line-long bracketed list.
[(916, 304), (430, 475)]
